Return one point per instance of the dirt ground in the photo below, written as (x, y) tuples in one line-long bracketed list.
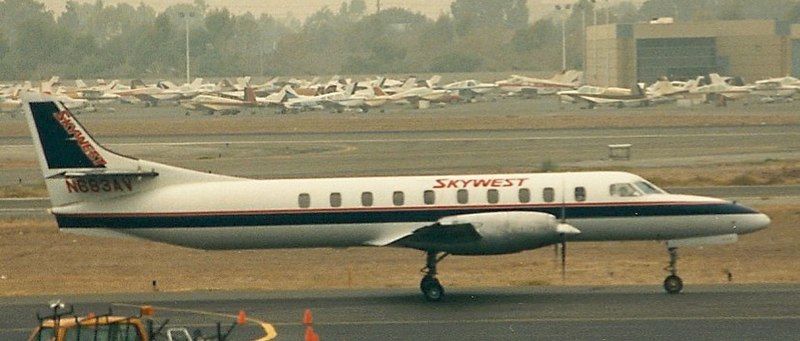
[(38, 260), (35, 259)]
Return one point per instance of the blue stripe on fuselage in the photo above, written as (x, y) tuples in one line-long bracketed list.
[(380, 215)]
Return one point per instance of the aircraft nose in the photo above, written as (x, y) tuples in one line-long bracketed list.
[(752, 223)]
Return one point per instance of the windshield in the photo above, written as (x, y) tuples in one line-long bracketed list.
[(44, 334), (112, 332), (648, 188), (635, 189)]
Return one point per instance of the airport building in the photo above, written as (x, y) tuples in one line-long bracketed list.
[(621, 54)]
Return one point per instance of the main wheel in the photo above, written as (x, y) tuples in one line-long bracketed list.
[(431, 289), (673, 284)]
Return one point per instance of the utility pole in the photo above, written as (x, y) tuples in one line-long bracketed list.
[(563, 16), (186, 17)]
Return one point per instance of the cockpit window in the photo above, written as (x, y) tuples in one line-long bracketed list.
[(648, 188), (623, 190)]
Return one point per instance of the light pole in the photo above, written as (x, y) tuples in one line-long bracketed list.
[(186, 17), (563, 34)]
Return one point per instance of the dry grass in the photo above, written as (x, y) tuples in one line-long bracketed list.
[(36, 259)]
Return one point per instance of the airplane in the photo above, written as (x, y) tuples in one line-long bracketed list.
[(9, 100), (151, 95), (565, 80), (9, 104), (95, 191), (226, 105), (664, 90), (721, 86), (470, 88), (613, 96), (781, 89), (426, 91), (187, 90)]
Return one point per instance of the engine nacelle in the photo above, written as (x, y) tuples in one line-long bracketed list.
[(503, 232)]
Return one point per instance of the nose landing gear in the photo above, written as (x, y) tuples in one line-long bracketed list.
[(673, 284)]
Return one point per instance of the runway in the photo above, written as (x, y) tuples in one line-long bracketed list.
[(707, 312), (722, 312)]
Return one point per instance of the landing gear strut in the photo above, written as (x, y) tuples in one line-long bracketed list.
[(430, 286), (673, 284)]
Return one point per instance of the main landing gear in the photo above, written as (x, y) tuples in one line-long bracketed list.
[(673, 284), (430, 286)]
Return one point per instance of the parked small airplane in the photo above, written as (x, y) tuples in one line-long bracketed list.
[(470, 88), (151, 95), (612, 96), (722, 86), (566, 80), (96, 191), (225, 105), (781, 89), (10, 104)]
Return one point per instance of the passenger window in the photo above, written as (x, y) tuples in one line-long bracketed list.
[(336, 199), (462, 196), (549, 194), (580, 193), (398, 198), (304, 200), (366, 199), (429, 197), (524, 195), (493, 196)]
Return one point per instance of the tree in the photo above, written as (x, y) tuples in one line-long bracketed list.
[(473, 14)]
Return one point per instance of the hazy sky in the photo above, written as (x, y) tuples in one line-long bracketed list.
[(302, 8), (279, 8)]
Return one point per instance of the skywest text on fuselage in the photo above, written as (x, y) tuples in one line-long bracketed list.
[(479, 183)]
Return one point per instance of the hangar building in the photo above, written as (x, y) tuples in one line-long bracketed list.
[(621, 54)]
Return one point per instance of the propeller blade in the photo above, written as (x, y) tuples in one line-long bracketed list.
[(563, 257)]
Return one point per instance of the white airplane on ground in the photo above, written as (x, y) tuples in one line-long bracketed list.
[(96, 191), (470, 88), (566, 80), (9, 104), (776, 89), (151, 95), (611, 96), (722, 86), (226, 105)]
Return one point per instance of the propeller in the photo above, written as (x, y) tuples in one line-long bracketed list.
[(564, 230)]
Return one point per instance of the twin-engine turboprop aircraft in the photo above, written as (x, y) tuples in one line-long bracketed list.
[(96, 191)]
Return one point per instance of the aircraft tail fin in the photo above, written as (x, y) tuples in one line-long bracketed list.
[(78, 169), (249, 95), (378, 91), (137, 84)]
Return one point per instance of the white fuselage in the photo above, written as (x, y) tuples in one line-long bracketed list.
[(234, 213)]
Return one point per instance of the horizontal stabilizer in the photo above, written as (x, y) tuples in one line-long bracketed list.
[(104, 173)]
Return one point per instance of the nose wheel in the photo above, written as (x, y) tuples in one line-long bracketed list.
[(430, 286), (673, 284)]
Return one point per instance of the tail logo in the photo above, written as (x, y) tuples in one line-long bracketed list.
[(64, 118)]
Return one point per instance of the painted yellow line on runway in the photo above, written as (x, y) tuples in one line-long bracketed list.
[(557, 320), (269, 330)]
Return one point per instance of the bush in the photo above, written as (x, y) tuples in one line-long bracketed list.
[(456, 62)]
